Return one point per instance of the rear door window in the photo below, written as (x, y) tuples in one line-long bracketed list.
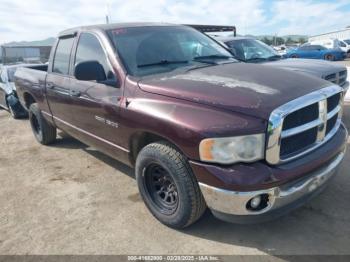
[(62, 56), (304, 48)]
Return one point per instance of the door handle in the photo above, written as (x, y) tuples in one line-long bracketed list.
[(75, 93), (50, 85)]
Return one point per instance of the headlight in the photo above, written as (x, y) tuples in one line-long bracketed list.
[(230, 150)]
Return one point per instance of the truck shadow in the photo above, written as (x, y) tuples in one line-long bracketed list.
[(68, 142)]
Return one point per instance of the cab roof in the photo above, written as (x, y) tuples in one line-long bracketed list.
[(105, 27)]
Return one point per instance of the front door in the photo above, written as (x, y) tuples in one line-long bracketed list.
[(96, 104)]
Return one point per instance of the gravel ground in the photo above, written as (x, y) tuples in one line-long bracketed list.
[(70, 199), (345, 62)]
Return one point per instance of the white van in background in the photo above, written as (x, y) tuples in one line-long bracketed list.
[(332, 43)]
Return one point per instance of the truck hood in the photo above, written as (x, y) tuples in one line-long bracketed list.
[(250, 89), (314, 67)]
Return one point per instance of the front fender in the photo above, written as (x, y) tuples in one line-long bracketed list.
[(184, 123)]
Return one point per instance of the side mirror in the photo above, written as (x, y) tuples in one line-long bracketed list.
[(90, 71)]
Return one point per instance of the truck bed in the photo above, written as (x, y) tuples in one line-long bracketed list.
[(31, 81)]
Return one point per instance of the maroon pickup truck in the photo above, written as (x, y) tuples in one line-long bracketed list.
[(250, 142)]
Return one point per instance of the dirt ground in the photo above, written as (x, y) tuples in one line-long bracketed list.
[(345, 62), (70, 199)]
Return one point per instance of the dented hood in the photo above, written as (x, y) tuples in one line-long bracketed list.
[(251, 89)]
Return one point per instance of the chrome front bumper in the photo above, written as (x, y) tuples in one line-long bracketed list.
[(235, 203)]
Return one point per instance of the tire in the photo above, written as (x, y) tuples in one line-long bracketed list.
[(43, 131), (329, 57), (13, 113), (186, 203), (294, 56)]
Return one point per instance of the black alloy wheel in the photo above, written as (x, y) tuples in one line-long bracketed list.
[(161, 188)]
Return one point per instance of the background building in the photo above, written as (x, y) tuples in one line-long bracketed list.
[(340, 34), (26, 54)]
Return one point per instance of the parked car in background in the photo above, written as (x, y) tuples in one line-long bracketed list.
[(251, 50), (344, 46), (317, 52), (332, 43), (8, 95), (200, 128)]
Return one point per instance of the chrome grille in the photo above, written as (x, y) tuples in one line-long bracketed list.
[(337, 78), (303, 124), (342, 77)]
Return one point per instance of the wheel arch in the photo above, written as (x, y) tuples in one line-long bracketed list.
[(28, 99), (144, 138)]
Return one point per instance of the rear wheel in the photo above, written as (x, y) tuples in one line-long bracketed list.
[(168, 186), (329, 57), (43, 131)]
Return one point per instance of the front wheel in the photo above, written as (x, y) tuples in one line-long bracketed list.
[(43, 131), (294, 56), (168, 186)]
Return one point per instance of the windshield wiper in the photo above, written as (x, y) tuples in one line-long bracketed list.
[(274, 57), (212, 57), (163, 62), (255, 59)]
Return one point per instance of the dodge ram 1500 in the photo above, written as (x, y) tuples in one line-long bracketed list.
[(202, 129)]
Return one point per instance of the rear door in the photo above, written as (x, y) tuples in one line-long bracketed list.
[(58, 84), (96, 104), (316, 51)]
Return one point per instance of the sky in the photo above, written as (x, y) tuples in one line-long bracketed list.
[(39, 19)]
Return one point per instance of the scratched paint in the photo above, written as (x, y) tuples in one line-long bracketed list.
[(225, 82)]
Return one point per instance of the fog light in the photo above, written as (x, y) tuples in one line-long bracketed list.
[(258, 203), (255, 202)]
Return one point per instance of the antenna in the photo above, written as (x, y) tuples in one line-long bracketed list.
[(108, 5)]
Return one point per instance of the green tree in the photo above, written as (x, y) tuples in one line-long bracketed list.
[(302, 40), (289, 41), (266, 41), (279, 41)]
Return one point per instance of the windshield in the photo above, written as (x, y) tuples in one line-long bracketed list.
[(251, 49), (159, 49), (347, 41)]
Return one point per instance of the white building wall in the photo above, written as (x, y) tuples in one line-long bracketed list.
[(341, 34)]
